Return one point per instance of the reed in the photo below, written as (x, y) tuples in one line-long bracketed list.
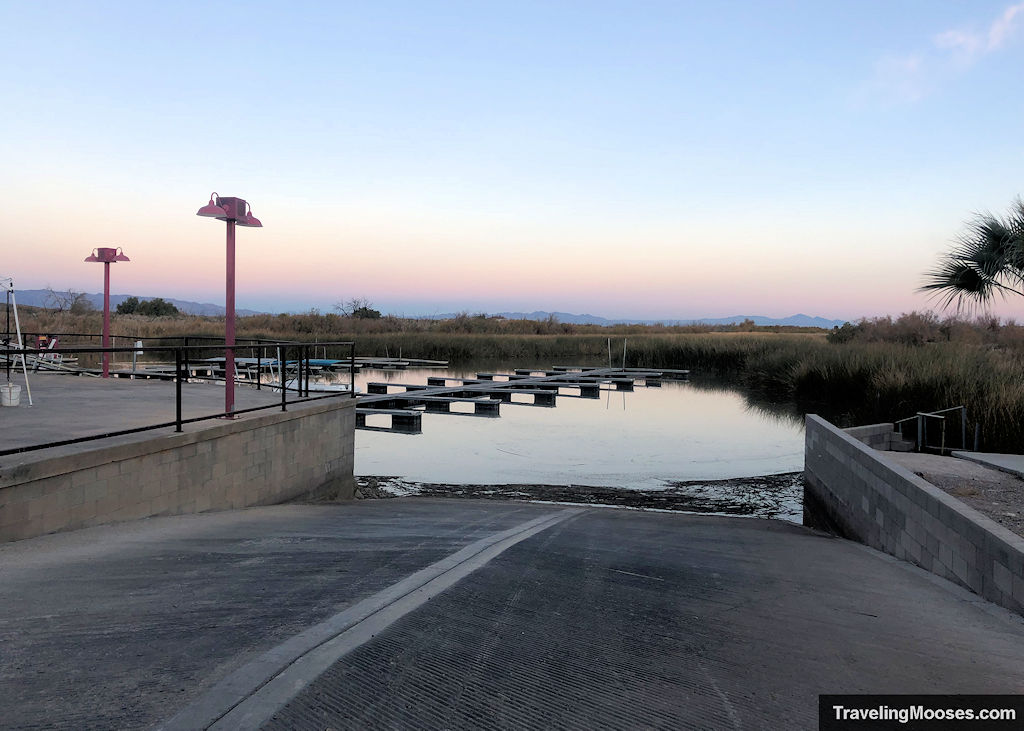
[(866, 378)]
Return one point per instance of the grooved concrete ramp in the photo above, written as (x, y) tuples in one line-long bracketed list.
[(599, 619), (619, 620)]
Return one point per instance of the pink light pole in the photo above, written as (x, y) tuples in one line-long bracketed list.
[(108, 256), (232, 211)]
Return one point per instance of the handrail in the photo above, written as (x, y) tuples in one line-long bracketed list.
[(921, 417), (302, 362)]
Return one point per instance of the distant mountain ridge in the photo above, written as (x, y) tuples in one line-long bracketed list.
[(798, 320), (41, 298)]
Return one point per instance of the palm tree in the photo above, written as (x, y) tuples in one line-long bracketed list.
[(988, 259)]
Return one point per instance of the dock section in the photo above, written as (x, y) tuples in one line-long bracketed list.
[(405, 403)]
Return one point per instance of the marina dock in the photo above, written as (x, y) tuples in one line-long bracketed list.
[(481, 396)]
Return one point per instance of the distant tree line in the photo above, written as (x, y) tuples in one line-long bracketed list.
[(157, 307)]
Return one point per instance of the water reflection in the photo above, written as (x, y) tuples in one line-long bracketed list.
[(647, 440)]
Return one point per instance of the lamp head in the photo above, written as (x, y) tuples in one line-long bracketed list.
[(248, 219), (107, 255), (213, 209)]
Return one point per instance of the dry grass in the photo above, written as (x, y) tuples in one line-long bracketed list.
[(885, 370)]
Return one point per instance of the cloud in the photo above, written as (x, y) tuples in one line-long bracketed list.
[(911, 77)]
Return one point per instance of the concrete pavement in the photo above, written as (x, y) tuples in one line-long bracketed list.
[(601, 618), (68, 407), (1011, 463)]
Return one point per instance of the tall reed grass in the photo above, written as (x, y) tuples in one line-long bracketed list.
[(849, 381)]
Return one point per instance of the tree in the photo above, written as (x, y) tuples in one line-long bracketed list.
[(988, 259), (358, 307), (68, 301), (128, 307), (157, 307)]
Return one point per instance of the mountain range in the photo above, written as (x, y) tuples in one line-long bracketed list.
[(44, 298), (798, 320)]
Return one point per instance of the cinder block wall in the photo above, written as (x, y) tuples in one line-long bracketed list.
[(878, 502), (256, 460), (877, 436)]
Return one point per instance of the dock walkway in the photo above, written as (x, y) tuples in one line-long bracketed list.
[(543, 387)]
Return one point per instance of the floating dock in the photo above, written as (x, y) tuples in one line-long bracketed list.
[(405, 403)]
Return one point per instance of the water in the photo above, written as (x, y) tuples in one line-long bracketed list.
[(647, 439)]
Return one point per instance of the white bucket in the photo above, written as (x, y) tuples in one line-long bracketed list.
[(10, 394)]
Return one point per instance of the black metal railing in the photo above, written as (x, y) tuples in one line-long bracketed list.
[(943, 426), (291, 357)]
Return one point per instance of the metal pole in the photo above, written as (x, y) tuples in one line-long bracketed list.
[(229, 324), (963, 427), (177, 389), (184, 342), (282, 353), (352, 369), (259, 366), (7, 335), (106, 318)]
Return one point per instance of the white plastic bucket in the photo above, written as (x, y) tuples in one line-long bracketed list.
[(10, 394)]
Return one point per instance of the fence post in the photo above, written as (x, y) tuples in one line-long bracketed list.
[(352, 369), (177, 389), (185, 343), (963, 427), (281, 360)]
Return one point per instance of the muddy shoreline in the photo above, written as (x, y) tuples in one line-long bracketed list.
[(767, 496)]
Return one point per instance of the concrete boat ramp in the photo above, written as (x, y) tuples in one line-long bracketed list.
[(433, 613)]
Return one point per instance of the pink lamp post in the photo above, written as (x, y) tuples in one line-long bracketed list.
[(232, 211), (108, 256)]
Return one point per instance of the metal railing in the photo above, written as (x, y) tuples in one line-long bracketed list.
[(292, 357), (940, 421)]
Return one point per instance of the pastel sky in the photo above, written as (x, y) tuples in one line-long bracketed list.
[(627, 159)]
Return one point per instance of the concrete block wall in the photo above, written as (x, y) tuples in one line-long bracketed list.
[(879, 503), (259, 459), (876, 436)]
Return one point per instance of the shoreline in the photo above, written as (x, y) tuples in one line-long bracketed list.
[(776, 496)]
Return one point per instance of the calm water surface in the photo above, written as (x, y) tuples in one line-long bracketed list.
[(639, 439)]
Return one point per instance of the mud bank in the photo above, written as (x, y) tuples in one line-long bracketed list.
[(768, 496)]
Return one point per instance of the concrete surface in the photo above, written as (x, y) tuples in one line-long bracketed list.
[(603, 619), (67, 407), (1012, 463), (259, 458), (995, 493)]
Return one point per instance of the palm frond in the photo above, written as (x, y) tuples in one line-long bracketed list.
[(988, 258)]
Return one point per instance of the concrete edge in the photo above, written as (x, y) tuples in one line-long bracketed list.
[(973, 457), (39, 465)]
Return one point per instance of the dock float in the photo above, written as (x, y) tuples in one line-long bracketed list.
[(405, 403)]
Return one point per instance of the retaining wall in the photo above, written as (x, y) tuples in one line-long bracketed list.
[(256, 460), (877, 502), (877, 436)]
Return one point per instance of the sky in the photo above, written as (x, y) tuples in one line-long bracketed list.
[(637, 159)]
